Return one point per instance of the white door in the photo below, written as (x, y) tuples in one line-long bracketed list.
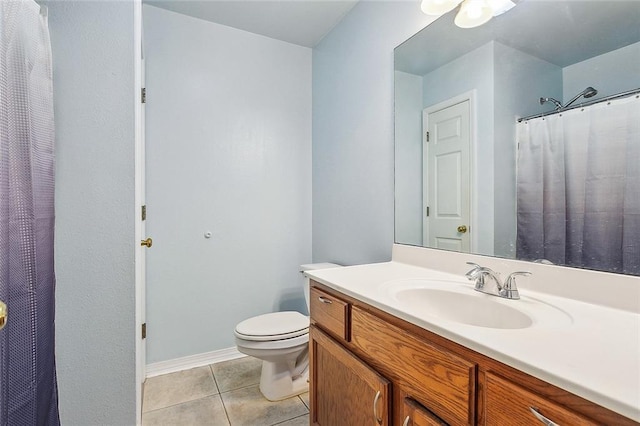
[(446, 176), (140, 228)]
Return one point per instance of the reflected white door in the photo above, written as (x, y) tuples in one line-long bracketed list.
[(446, 176), (140, 231)]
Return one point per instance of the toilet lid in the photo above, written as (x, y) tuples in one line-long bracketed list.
[(275, 326)]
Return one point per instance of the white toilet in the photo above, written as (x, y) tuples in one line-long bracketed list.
[(281, 341)]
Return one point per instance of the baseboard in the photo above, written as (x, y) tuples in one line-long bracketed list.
[(192, 361)]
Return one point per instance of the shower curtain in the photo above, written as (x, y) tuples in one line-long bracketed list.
[(578, 200), (28, 393)]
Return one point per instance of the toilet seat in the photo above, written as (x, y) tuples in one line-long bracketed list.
[(274, 326), (275, 345)]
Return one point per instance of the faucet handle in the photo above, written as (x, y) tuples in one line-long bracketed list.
[(512, 276), (475, 266), (471, 274), (510, 290)]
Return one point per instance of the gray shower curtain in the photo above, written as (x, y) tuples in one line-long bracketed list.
[(578, 200), (28, 393)]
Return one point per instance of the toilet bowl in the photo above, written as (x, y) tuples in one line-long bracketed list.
[(281, 341)]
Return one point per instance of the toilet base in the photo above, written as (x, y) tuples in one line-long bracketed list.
[(277, 381)]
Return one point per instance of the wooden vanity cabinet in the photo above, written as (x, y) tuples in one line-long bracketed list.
[(509, 403), (423, 378), (415, 414), (344, 390), (441, 381), (330, 311)]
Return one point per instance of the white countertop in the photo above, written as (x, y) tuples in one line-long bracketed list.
[(595, 356)]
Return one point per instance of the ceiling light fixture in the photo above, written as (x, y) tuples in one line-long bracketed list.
[(500, 6), (438, 7), (472, 13)]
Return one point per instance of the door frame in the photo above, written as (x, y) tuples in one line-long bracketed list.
[(470, 96), (140, 285)]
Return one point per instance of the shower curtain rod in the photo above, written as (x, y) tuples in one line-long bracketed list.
[(584, 104)]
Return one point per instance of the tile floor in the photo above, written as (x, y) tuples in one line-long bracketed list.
[(223, 394)]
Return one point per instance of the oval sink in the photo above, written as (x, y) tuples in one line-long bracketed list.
[(464, 308), (456, 302)]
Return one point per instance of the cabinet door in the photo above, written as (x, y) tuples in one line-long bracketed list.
[(416, 415), (344, 390), (508, 403), (439, 379)]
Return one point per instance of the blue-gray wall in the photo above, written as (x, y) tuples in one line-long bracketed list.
[(228, 119), (408, 158), (519, 81), (92, 44), (353, 131), (613, 72)]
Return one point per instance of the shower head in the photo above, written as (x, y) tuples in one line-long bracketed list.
[(587, 93), (556, 103)]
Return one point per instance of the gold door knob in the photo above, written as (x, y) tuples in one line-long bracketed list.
[(148, 242), (462, 229), (3, 315)]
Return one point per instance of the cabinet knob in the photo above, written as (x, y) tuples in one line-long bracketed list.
[(148, 242), (375, 408), (3, 315), (325, 300)]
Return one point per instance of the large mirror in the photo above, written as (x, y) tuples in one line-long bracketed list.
[(520, 138)]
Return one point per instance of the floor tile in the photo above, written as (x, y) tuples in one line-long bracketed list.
[(207, 411), (237, 373), (305, 398), (247, 407), (175, 388), (298, 421)]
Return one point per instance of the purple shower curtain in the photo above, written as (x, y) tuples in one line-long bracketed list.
[(28, 392)]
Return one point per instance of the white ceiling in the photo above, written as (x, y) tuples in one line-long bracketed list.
[(302, 22)]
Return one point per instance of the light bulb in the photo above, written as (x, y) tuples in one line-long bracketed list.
[(473, 13)]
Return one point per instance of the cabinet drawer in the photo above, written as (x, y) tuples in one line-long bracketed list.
[(417, 415), (330, 313), (443, 382), (508, 403)]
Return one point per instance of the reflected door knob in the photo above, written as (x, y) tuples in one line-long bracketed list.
[(462, 229), (148, 242), (3, 315)]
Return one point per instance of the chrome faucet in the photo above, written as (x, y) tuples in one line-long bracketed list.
[(482, 274)]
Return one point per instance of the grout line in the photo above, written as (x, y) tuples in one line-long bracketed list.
[(303, 403), (215, 382), (224, 407), (237, 389), (288, 420), (226, 413), (234, 389), (184, 402)]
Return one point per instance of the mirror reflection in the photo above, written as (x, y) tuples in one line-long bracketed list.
[(521, 138)]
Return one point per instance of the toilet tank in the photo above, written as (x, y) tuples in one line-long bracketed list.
[(311, 267)]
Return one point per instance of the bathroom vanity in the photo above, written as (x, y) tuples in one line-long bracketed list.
[(379, 358)]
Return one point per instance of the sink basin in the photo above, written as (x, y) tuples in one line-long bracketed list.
[(456, 302)]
